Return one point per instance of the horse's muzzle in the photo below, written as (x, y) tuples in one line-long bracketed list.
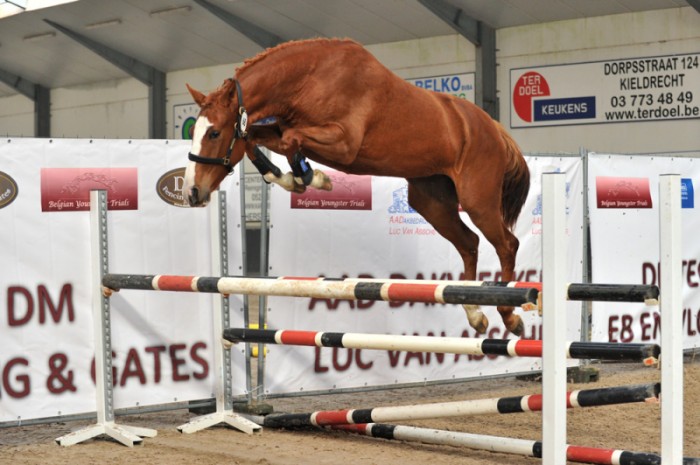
[(197, 198)]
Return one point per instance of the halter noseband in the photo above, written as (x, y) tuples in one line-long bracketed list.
[(241, 132)]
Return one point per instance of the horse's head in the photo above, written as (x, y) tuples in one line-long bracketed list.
[(216, 147)]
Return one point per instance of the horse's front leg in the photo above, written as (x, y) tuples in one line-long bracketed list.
[(290, 181), (304, 175), (271, 173)]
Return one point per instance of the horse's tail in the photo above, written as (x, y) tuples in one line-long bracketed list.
[(516, 181)]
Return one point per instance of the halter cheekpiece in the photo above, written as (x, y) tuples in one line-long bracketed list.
[(239, 133)]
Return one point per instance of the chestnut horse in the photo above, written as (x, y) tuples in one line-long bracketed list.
[(330, 100)]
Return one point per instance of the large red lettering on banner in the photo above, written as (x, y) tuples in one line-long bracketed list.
[(691, 272), (349, 357), (20, 305), (646, 326), (184, 363), (13, 384)]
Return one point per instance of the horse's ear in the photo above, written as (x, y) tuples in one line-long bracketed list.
[(231, 85), (196, 95)]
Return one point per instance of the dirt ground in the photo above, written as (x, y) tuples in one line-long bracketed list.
[(634, 427)]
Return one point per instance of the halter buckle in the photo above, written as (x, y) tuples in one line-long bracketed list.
[(242, 125)]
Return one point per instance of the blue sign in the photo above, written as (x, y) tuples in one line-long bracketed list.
[(459, 85), (687, 193), (442, 84), (564, 108)]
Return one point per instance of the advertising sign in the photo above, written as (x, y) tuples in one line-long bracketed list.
[(459, 85), (624, 213), (614, 91), (162, 342), (68, 189)]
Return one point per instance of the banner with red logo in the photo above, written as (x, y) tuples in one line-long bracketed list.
[(328, 234), (612, 91), (68, 189), (162, 342), (624, 212)]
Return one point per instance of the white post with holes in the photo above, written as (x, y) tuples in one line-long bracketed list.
[(554, 318), (222, 356), (671, 306), (102, 335)]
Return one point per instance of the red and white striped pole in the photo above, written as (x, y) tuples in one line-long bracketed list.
[(503, 405), (504, 445), (647, 353)]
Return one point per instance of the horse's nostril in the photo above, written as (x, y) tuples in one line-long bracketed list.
[(193, 198)]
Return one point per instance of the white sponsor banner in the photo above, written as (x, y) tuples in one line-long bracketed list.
[(459, 85), (613, 91), (368, 230), (162, 342), (624, 212)]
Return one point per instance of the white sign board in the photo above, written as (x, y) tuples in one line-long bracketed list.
[(624, 212), (162, 342), (615, 91)]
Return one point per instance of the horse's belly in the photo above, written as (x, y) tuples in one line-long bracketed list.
[(400, 168)]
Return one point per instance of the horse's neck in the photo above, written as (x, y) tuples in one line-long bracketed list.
[(267, 91)]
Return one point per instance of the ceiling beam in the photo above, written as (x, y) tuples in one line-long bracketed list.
[(483, 37), (257, 34), (21, 85), (129, 65), (695, 4), (152, 77), (40, 95), (455, 17)]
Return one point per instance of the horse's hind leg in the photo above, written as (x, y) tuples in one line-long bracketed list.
[(485, 213), (435, 199)]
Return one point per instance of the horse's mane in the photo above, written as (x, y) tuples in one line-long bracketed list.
[(292, 43)]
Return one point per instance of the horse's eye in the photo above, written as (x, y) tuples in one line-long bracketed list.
[(213, 134)]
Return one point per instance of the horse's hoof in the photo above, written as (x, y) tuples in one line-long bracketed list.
[(482, 326), (321, 181), (298, 188), (518, 328)]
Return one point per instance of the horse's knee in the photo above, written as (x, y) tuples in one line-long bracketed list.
[(513, 244)]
